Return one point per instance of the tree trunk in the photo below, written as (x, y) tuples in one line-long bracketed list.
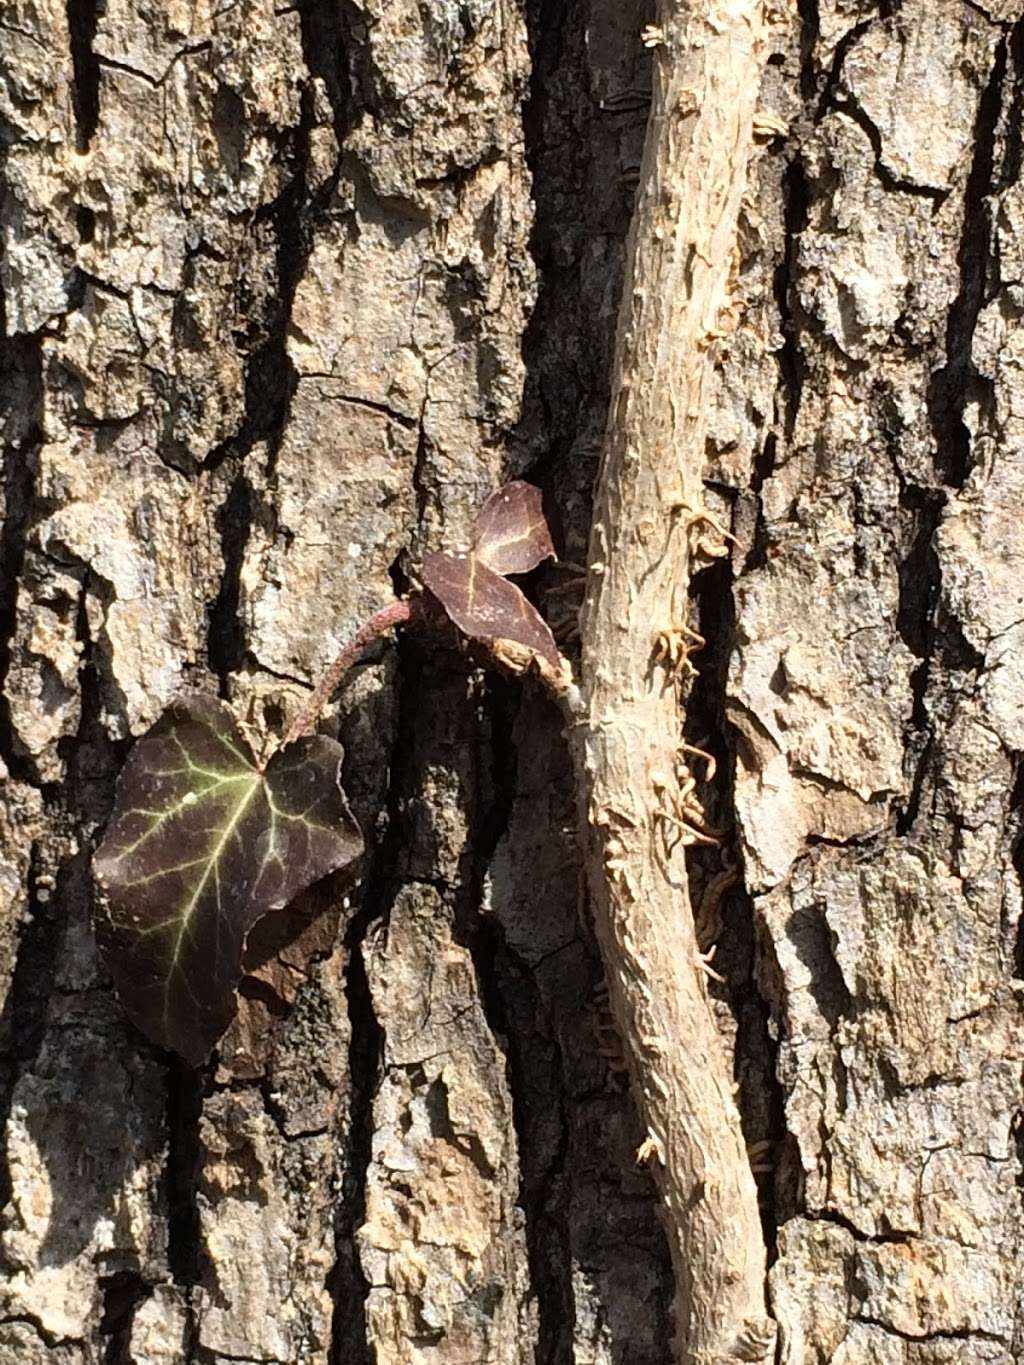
[(286, 293)]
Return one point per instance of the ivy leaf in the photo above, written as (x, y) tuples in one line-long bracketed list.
[(511, 531), (486, 606), (202, 844)]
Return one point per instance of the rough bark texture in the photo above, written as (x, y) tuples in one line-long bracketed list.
[(876, 690), (286, 293)]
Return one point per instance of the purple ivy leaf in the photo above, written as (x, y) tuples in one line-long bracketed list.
[(511, 532), (201, 845), (487, 607)]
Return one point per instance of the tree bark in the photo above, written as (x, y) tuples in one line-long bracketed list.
[(286, 293)]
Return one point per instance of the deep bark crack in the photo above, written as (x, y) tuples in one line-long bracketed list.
[(30, 986), (83, 17), (21, 387), (536, 1080), (226, 632), (185, 1088), (761, 1096), (122, 1294), (1016, 825), (350, 1338), (810, 30), (920, 582), (956, 384), (796, 200), (325, 47)]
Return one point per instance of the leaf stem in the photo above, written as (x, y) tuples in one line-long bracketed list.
[(383, 621)]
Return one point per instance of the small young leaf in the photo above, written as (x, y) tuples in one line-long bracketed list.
[(203, 843), (511, 533), (486, 606)]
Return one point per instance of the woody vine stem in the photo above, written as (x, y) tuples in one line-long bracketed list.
[(396, 614), (631, 765)]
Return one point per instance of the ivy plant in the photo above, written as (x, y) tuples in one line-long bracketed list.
[(203, 843), (205, 840)]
